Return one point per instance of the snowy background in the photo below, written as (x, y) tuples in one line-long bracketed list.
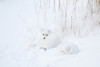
[(21, 23)]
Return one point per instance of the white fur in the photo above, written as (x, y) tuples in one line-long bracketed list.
[(67, 48), (50, 41)]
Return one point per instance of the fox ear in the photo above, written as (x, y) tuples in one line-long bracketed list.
[(42, 30), (49, 31), (45, 30)]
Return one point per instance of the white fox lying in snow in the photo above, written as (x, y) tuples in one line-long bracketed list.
[(48, 40), (51, 40)]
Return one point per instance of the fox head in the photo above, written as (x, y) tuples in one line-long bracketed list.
[(45, 34)]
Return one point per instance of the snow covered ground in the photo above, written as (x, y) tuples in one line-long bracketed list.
[(17, 28)]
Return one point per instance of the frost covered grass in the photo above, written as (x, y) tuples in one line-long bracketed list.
[(74, 17)]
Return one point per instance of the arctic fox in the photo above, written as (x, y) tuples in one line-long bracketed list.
[(48, 40)]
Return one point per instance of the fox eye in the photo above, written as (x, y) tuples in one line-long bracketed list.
[(42, 34), (46, 34)]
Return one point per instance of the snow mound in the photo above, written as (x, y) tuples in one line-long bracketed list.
[(68, 48)]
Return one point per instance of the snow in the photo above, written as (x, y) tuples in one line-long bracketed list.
[(20, 30)]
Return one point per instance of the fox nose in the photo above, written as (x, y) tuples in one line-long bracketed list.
[(44, 38)]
